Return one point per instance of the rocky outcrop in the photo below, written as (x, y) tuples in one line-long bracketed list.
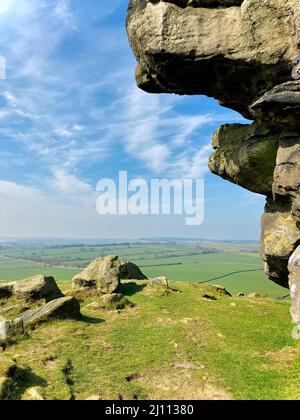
[(234, 54), (246, 55), (63, 308), (105, 274), (242, 150), (33, 288), (37, 288), (45, 300)]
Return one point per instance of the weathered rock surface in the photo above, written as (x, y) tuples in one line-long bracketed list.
[(62, 308), (37, 288), (105, 275), (10, 329), (234, 54), (280, 106), (287, 171), (280, 235), (102, 273), (159, 282), (294, 269), (245, 55), (246, 155)]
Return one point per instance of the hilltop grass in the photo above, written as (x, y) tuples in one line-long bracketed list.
[(170, 346)]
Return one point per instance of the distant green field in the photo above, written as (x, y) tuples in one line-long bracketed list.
[(16, 270), (209, 267), (180, 262)]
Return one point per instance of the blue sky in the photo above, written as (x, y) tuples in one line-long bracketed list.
[(70, 114)]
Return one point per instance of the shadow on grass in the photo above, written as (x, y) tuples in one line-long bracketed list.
[(27, 380), (91, 320), (130, 289)]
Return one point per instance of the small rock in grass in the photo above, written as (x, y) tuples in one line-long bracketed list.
[(221, 290), (209, 297), (34, 394), (159, 282), (11, 329), (254, 296), (94, 306), (114, 301)]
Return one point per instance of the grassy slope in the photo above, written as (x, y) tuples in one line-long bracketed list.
[(173, 346)]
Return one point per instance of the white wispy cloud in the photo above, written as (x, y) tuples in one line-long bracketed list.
[(70, 111), (66, 183)]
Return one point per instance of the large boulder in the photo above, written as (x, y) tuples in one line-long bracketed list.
[(105, 275), (62, 308), (246, 155), (102, 273), (37, 288)]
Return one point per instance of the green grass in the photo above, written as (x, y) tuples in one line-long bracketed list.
[(11, 270), (153, 262), (212, 266), (174, 346)]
